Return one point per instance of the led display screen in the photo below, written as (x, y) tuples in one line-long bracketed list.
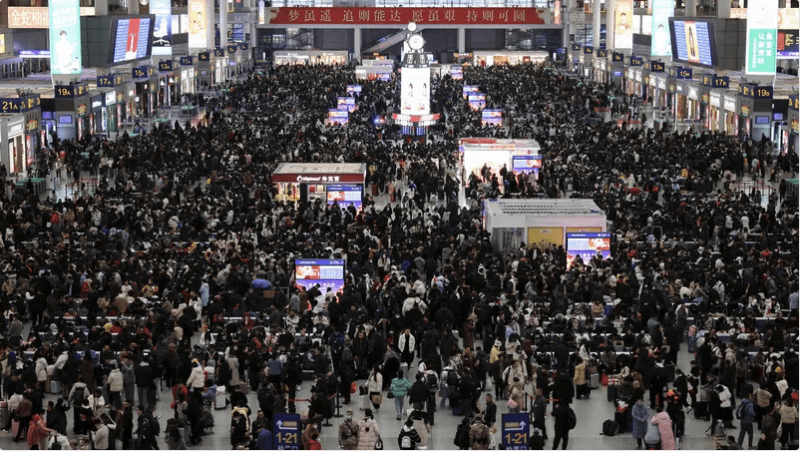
[(456, 73), (477, 101), (328, 273), (526, 163), (131, 40), (354, 89), (346, 103), (337, 116), (694, 42), (489, 116), (587, 245), (415, 91), (344, 195)]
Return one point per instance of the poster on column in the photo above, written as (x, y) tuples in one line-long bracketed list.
[(761, 37), (162, 31), (624, 37), (660, 27), (197, 24), (65, 37), (261, 12)]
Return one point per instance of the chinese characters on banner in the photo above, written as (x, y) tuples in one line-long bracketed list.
[(762, 34), (423, 16), (28, 17)]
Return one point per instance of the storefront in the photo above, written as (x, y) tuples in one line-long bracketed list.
[(600, 64), (695, 113), (220, 67), (166, 87), (730, 113), (587, 66), (616, 71), (112, 87), (328, 182), (205, 67), (143, 102), (12, 137), (110, 118), (188, 82), (792, 119), (756, 111), (314, 57), (574, 56), (71, 111), (233, 69), (126, 103), (510, 57), (96, 111), (715, 113)]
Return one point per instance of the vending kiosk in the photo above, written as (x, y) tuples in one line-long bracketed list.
[(342, 183)]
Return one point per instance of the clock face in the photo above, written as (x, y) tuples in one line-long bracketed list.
[(416, 42), (412, 26)]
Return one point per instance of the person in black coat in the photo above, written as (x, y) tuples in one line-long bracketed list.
[(238, 429), (490, 412), (561, 413), (419, 392), (57, 416)]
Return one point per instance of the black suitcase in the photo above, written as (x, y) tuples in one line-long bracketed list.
[(701, 409), (611, 393), (622, 421)]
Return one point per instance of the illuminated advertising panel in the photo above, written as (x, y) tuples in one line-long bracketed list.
[(787, 45), (327, 273), (353, 89), (587, 245), (477, 101), (162, 31), (469, 89), (490, 116), (344, 195), (624, 33), (346, 103), (526, 163), (694, 42), (65, 37), (261, 12), (131, 40), (415, 91), (660, 28), (337, 116), (761, 37), (456, 73), (197, 24)]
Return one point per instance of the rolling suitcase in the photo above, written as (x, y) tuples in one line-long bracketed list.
[(55, 387), (622, 421), (611, 393), (701, 409), (595, 380), (219, 398)]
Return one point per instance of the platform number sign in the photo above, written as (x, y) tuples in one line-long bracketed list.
[(286, 428), (515, 431)]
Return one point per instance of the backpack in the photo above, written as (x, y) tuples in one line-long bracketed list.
[(610, 427), (453, 378), (406, 441), (79, 396), (571, 418), (337, 344), (154, 425), (432, 381)]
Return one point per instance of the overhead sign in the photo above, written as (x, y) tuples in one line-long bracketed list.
[(28, 17), (515, 431), (286, 428), (657, 66), (402, 16), (787, 44), (65, 37), (761, 38), (624, 33), (68, 91), (660, 27), (186, 60), (635, 61)]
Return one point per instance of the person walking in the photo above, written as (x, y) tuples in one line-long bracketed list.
[(665, 425), (746, 415), (399, 388), (409, 438), (348, 434), (561, 416), (639, 426), (369, 433)]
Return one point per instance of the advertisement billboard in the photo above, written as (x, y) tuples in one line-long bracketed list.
[(469, 89), (346, 103), (328, 273), (624, 33), (761, 38), (587, 245), (131, 40), (415, 91), (353, 89), (526, 163), (65, 37), (344, 195), (660, 28), (457, 73), (787, 45), (261, 12), (162, 31), (490, 116), (477, 101), (694, 42), (337, 116), (197, 24)]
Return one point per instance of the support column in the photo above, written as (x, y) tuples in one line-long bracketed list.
[(210, 21), (596, 24), (133, 7), (691, 7), (357, 44), (223, 23), (610, 24), (460, 40), (101, 7), (724, 10)]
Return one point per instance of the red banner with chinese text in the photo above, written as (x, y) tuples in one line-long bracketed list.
[(402, 16)]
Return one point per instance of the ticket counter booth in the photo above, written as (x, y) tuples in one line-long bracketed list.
[(328, 182), (756, 111), (715, 111), (730, 114), (587, 67)]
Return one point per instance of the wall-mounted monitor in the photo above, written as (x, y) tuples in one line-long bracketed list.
[(693, 41), (328, 273), (131, 39), (587, 245)]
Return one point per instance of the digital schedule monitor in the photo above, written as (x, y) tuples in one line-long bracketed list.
[(337, 116), (490, 116), (526, 163), (346, 103), (456, 73), (131, 39), (587, 245), (694, 42), (469, 89), (325, 272), (353, 89), (477, 101), (344, 195)]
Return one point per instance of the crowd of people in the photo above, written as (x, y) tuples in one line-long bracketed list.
[(120, 300)]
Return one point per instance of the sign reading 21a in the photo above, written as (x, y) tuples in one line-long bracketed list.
[(515, 431)]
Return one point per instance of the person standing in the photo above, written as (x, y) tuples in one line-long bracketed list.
[(25, 413), (491, 412), (348, 434), (788, 415), (540, 409), (561, 416), (406, 345), (665, 425), (368, 431), (409, 438), (399, 388), (639, 426), (746, 414), (768, 438)]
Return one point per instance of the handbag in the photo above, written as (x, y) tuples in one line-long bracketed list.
[(376, 399), (353, 387), (511, 403), (379, 444), (362, 390), (390, 395)]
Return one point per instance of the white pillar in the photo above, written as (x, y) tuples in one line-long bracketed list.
[(357, 44), (133, 7), (223, 23), (101, 7), (691, 6), (610, 24), (210, 21), (461, 39), (596, 23), (724, 9)]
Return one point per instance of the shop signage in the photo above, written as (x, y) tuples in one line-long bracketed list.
[(657, 66), (165, 66), (28, 17), (33, 124), (793, 102), (638, 76), (400, 16), (110, 98), (794, 123), (745, 110), (186, 60), (661, 83), (672, 87), (729, 104), (120, 97), (704, 98), (16, 128), (714, 99), (318, 178), (34, 54), (678, 88), (68, 91), (692, 92), (81, 109), (97, 104)]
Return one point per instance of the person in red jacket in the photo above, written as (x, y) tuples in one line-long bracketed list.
[(313, 443)]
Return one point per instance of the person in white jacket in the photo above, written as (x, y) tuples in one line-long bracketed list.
[(115, 386), (375, 383), (196, 379), (41, 371)]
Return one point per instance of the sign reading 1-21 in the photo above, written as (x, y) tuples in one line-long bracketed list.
[(515, 431), (286, 428)]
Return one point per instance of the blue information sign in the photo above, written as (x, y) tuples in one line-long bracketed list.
[(515, 431), (286, 428)]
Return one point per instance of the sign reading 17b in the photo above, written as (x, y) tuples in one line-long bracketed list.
[(515, 431)]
